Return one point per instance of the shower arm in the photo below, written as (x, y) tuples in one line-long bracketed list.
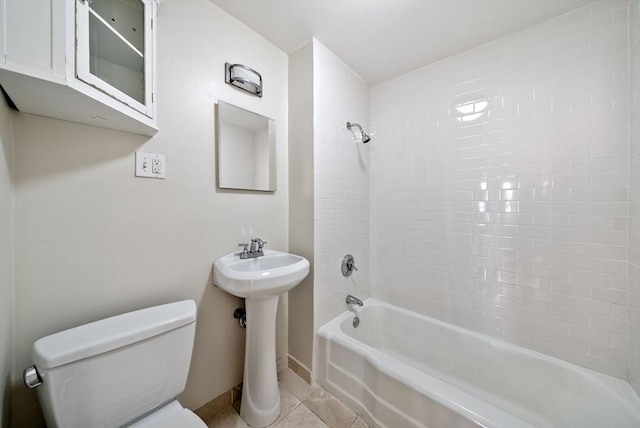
[(349, 125)]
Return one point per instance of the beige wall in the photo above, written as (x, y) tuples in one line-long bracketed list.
[(91, 240), (301, 204), (6, 262)]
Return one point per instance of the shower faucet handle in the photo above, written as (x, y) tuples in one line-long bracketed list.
[(348, 265)]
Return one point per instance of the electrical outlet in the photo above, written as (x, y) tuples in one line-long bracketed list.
[(156, 166), (150, 165)]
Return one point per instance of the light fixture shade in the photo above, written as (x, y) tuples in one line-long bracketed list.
[(243, 77)]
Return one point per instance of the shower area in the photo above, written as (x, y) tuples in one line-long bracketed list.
[(502, 189), (499, 191)]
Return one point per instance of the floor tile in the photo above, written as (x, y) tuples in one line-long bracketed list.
[(303, 406), (228, 418), (301, 417), (333, 412), (288, 402), (359, 423), (282, 363), (295, 384)]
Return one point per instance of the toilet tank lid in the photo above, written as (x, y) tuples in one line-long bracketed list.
[(105, 335)]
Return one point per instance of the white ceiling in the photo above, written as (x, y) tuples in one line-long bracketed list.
[(381, 39)]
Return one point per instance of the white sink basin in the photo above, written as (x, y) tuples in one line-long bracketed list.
[(265, 276), (260, 281)]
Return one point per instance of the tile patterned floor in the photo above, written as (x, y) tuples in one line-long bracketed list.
[(303, 406)]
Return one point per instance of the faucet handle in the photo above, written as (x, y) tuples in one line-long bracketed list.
[(348, 265), (245, 250), (261, 244)]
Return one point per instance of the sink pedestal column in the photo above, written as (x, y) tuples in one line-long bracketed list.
[(260, 393)]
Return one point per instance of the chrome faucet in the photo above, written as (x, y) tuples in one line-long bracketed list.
[(252, 250), (351, 300)]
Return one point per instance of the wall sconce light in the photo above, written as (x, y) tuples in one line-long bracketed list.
[(243, 77)]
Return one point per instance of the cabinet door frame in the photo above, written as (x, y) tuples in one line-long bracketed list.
[(82, 58)]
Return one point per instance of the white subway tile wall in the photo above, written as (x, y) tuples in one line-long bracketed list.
[(634, 195), (341, 184), (500, 189)]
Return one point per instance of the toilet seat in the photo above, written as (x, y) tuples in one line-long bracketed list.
[(173, 415)]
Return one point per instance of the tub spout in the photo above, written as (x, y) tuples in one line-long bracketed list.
[(353, 300)]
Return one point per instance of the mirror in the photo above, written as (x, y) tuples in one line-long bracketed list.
[(246, 149)]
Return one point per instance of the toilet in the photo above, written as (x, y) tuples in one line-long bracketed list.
[(121, 371)]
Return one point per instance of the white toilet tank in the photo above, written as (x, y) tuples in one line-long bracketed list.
[(111, 372)]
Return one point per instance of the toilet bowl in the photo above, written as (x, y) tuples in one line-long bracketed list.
[(121, 371)]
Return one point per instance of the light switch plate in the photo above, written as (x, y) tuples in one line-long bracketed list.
[(150, 165)]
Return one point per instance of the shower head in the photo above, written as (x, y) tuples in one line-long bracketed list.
[(365, 137)]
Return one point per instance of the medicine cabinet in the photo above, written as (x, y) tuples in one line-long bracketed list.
[(87, 61), (246, 149)]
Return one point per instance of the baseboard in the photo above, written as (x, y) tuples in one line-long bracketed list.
[(218, 404), (300, 369)]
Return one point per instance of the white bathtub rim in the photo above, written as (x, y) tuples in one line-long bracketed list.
[(438, 390), (380, 399), (615, 385), (332, 331)]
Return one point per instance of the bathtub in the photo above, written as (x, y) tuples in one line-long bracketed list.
[(399, 369)]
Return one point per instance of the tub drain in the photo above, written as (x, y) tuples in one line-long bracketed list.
[(356, 322)]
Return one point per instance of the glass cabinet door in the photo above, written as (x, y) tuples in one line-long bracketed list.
[(113, 49)]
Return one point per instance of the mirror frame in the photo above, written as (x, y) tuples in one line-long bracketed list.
[(221, 167)]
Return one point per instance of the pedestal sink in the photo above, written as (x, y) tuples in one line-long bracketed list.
[(260, 281)]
